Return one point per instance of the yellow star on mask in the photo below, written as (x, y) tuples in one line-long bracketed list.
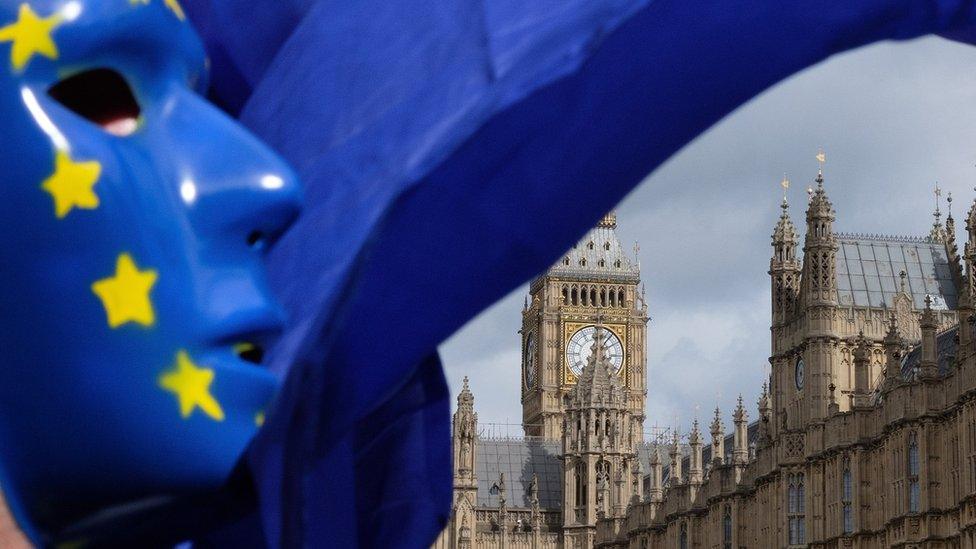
[(191, 385), (72, 184), (30, 35), (125, 295)]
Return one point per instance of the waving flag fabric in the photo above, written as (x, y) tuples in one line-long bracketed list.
[(450, 150)]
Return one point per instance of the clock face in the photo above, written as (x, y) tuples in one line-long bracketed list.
[(798, 374), (580, 347), (529, 360)]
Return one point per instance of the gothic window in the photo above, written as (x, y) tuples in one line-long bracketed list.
[(913, 488), (616, 263), (584, 296), (613, 298), (593, 296), (566, 260), (606, 246), (727, 528), (796, 508), (620, 298), (590, 245), (847, 495), (582, 262), (602, 263), (565, 296), (580, 484), (683, 537)]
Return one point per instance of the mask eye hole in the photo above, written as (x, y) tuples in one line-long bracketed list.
[(101, 96)]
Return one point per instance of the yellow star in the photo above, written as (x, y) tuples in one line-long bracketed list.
[(30, 35), (126, 294), (259, 419), (72, 184), (174, 5), (191, 385)]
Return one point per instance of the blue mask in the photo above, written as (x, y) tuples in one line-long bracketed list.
[(133, 219)]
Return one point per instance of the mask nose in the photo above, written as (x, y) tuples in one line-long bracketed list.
[(234, 188)]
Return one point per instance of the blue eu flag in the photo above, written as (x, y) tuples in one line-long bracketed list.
[(451, 149)]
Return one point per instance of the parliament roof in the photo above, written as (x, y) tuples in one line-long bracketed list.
[(869, 271), (945, 348), (519, 458)]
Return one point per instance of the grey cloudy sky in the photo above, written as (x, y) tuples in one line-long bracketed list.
[(893, 118)]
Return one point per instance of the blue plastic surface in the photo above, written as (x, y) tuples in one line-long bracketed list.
[(120, 375)]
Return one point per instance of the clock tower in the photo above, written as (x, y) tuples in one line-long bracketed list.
[(594, 284)]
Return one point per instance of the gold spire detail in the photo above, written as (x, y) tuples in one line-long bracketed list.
[(609, 221)]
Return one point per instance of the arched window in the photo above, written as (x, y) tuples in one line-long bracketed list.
[(593, 296), (613, 297), (683, 537), (566, 260), (589, 245), (616, 263), (584, 296), (847, 496), (580, 484), (913, 487), (582, 262), (565, 296), (606, 246), (795, 508), (602, 263), (575, 296), (727, 528), (620, 298)]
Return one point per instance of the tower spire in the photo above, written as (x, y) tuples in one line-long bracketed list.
[(820, 249), (718, 438), (609, 221), (783, 265), (938, 232)]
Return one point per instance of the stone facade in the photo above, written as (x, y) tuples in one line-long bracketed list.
[(867, 435), (864, 435)]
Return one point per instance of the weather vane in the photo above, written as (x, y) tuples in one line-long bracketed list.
[(821, 158), (785, 183)]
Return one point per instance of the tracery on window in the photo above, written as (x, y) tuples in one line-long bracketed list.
[(847, 496), (913, 486)]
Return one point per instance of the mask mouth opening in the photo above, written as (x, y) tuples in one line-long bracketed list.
[(101, 96)]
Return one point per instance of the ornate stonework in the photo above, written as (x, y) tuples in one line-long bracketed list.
[(865, 436)]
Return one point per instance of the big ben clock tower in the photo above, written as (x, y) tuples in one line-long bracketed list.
[(594, 283)]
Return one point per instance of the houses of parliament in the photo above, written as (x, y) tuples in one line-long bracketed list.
[(864, 435)]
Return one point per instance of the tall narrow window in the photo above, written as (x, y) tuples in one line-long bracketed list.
[(580, 484), (727, 528), (913, 489), (683, 536), (847, 495), (795, 508)]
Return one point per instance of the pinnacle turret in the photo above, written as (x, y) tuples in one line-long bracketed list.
[(938, 232), (596, 382), (820, 250)]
